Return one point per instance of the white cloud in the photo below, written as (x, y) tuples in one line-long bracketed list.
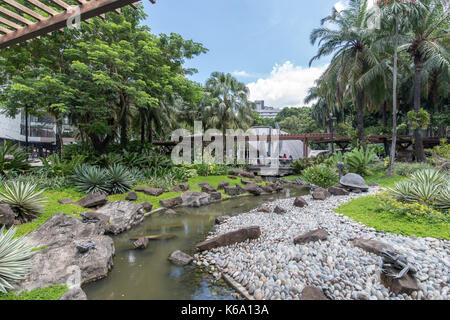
[(287, 85), (242, 73), (339, 6)]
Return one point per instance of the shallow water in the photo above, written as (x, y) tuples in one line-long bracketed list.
[(148, 275)]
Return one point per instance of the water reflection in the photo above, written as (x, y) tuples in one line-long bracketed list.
[(147, 274)]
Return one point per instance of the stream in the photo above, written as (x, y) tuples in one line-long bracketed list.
[(148, 275)]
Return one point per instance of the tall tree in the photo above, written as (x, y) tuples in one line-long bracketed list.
[(349, 42), (429, 22), (232, 108)]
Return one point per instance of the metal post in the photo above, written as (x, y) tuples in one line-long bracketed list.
[(26, 127)]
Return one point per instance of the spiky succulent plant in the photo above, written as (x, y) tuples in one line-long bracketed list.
[(24, 199), (15, 259), (91, 179), (121, 179)]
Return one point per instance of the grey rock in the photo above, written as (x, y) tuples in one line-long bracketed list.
[(123, 215), (132, 196), (195, 199), (300, 202), (171, 203), (310, 236), (180, 258), (74, 294), (65, 201), (92, 200), (150, 191), (7, 216), (355, 181)]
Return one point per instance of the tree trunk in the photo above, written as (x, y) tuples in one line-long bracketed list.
[(360, 106), (394, 106), (150, 130), (59, 137), (123, 122), (418, 139), (142, 129)]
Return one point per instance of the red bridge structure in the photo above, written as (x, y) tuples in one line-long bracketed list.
[(403, 141)]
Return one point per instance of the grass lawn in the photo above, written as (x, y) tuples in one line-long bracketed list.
[(364, 210), (54, 207), (49, 293)]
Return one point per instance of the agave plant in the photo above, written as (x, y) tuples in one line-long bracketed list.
[(121, 179), (91, 179), (24, 199), (12, 158), (55, 167), (426, 186), (15, 259)]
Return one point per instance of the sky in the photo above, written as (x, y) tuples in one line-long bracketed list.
[(263, 43)]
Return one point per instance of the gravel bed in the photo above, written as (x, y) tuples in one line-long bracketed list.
[(272, 267)]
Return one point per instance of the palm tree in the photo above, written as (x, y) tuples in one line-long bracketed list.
[(428, 23), (231, 107), (350, 43)]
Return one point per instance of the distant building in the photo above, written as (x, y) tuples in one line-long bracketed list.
[(265, 111), (41, 131)]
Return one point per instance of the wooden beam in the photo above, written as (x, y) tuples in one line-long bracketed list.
[(43, 7), (4, 30), (15, 16), (10, 23), (88, 10), (24, 9), (61, 4)]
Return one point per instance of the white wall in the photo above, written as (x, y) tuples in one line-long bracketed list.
[(10, 128)]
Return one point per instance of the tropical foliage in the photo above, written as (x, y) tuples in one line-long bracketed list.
[(13, 159), (427, 186), (15, 258), (320, 175), (24, 199)]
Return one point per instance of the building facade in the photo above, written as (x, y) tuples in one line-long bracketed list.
[(265, 111), (41, 132)]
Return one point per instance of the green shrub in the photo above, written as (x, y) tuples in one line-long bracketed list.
[(412, 210), (15, 259), (427, 186), (24, 199), (120, 179), (55, 167), (91, 179), (321, 175), (358, 160), (405, 169), (301, 164), (13, 159)]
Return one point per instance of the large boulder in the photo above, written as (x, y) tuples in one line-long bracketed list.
[(370, 245), (123, 215), (354, 181), (222, 219), (215, 195), (241, 173), (320, 194), (150, 191), (232, 191), (312, 293), (206, 187), (61, 261), (230, 238), (181, 187), (7, 216), (244, 182), (171, 203), (132, 196), (147, 206), (300, 202), (62, 228), (406, 284), (267, 189), (223, 184), (314, 235), (253, 189), (337, 191), (65, 201), (279, 210), (195, 199), (92, 200), (180, 258)]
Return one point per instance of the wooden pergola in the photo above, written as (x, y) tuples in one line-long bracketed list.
[(22, 20)]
